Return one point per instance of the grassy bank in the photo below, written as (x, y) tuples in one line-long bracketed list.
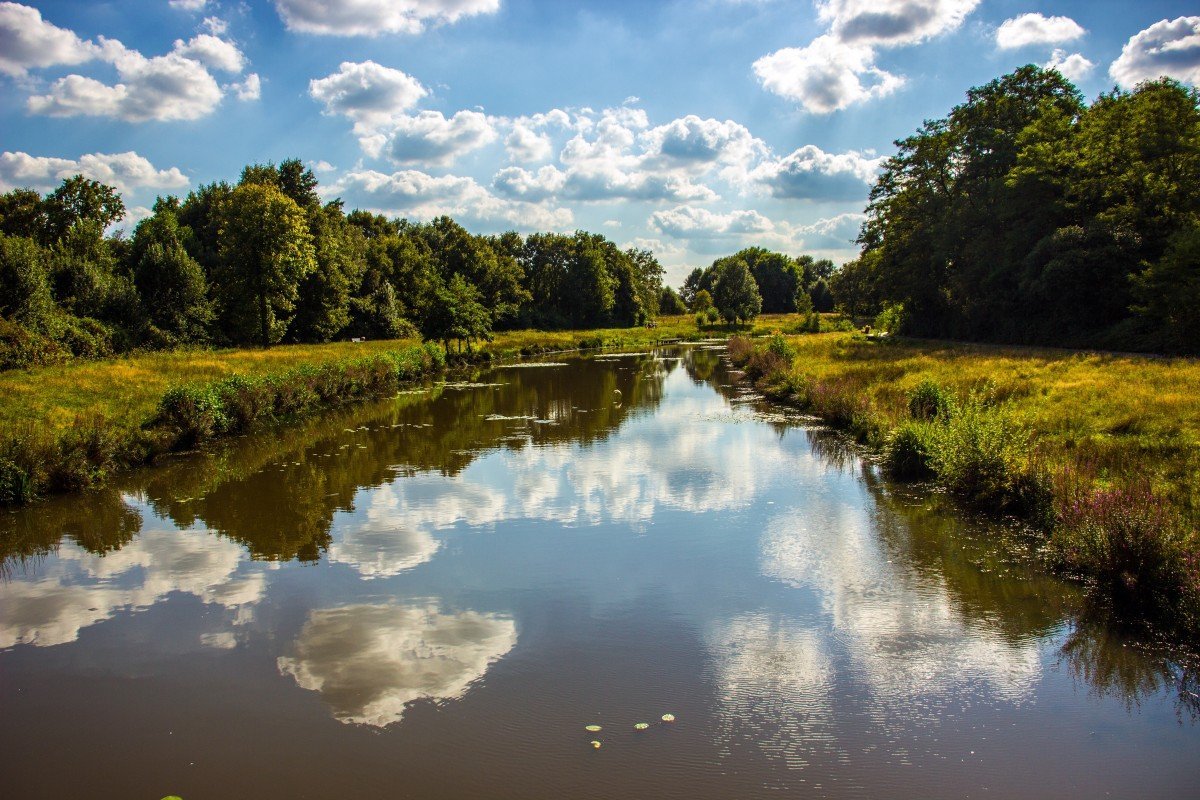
[(70, 426), (1100, 452)]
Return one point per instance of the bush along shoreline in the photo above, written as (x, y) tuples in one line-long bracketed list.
[(1134, 548), (34, 463)]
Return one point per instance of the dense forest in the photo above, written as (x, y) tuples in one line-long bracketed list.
[(265, 261), (1026, 216)]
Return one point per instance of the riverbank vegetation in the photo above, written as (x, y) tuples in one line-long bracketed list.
[(72, 425), (1099, 452)]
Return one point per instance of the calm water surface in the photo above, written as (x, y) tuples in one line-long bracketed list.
[(430, 597)]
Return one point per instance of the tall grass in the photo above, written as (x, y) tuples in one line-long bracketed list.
[(38, 459)]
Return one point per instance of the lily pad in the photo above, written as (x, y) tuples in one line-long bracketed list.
[(592, 728), (641, 726), (668, 717), (595, 744)]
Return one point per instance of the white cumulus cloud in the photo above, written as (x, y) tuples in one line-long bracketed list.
[(692, 222), (249, 89), (187, 5), (418, 195), (124, 171), (827, 75), (367, 92), (837, 69), (1030, 29), (430, 138), (811, 173), (1073, 67), (376, 17), (212, 51), (29, 42), (1168, 47), (526, 145), (175, 86)]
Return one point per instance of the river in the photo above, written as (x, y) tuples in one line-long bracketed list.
[(431, 597)]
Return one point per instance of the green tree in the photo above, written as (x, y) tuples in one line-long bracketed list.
[(25, 296), (1169, 291), (23, 213), (735, 293), (170, 283), (856, 286), (323, 308), (266, 250), (81, 199), (457, 314), (670, 303)]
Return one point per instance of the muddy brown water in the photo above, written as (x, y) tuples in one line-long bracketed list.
[(433, 595)]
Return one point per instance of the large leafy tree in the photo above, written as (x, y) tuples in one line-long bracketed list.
[(25, 283), (735, 293), (266, 251), (81, 199), (456, 314), (171, 284)]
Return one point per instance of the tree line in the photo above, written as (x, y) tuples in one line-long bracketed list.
[(264, 261), (755, 280), (1026, 216)]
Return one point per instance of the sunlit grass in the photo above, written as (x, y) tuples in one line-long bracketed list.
[(1124, 415), (126, 390)]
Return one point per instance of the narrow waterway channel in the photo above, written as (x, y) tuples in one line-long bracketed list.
[(433, 595)]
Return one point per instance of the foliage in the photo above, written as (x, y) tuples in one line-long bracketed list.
[(670, 303), (266, 250), (928, 400), (735, 294), (908, 452), (1027, 216), (1129, 540), (890, 319)]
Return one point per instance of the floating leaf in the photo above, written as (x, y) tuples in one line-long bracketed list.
[(668, 717), (592, 728), (595, 744), (641, 726)]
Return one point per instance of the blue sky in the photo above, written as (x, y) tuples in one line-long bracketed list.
[(690, 127)]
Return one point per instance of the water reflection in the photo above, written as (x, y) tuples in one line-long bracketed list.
[(381, 545), (81, 588), (776, 680), (812, 590), (369, 662)]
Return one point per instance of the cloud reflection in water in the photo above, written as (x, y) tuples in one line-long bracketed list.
[(370, 661)]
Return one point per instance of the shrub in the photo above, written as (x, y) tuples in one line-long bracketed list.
[(244, 402), (21, 348), (891, 319), (87, 453), (1129, 539), (982, 455), (739, 349), (86, 338), (194, 414), (16, 487), (928, 400), (908, 453)]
